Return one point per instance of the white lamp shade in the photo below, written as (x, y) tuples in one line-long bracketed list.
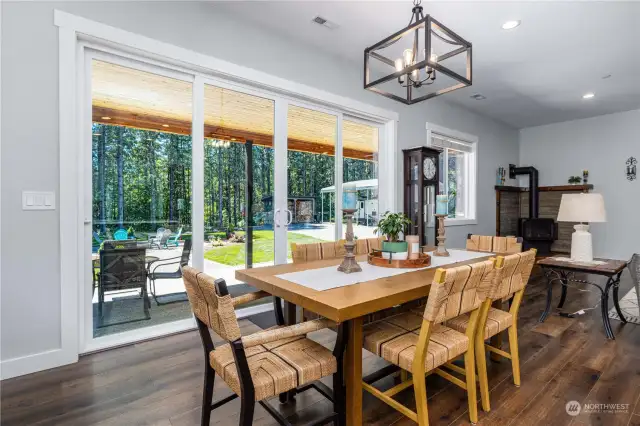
[(582, 208)]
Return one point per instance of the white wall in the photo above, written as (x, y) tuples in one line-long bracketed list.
[(601, 145), (30, 264)]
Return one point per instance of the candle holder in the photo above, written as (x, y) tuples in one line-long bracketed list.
[(441, 249), (349, 263)]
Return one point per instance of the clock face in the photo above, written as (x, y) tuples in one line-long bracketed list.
[(429, 168)]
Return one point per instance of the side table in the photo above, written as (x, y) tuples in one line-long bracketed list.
[(564, 271)]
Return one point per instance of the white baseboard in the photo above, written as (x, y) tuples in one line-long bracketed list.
[(36, 362), (56, 357)]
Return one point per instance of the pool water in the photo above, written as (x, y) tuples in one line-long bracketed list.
[(293, 226)]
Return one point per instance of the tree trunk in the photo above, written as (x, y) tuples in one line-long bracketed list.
[(152, 183), (219, 187), (101, 189), (269, 171), (171, 161), (120, 165)]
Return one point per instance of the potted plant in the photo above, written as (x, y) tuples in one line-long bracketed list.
[(391, 225), (575, 180)]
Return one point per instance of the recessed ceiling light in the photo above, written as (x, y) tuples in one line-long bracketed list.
[(588, 95), (604, 77), (106, 118), (478, 97), (165, 125), (509, 25)]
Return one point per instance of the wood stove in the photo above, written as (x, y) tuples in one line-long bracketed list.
[(536, 232)]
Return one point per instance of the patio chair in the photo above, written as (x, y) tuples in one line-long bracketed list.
[(155, 274), (122, 267), (121, 234), (173, 240)]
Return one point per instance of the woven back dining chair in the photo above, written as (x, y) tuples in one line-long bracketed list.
[(487, 243), (262, 365), (420, 343), (511, 276), (301, 253)]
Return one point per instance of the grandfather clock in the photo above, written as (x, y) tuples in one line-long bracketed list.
[(421, 185)]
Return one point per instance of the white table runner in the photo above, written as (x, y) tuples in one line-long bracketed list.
[(329, 277)]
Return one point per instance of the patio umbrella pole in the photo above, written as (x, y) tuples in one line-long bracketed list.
[(249, 203)]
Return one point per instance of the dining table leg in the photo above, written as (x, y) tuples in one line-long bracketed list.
[(290, 318), (353, 373)]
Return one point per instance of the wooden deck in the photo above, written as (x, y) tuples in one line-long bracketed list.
[(159, 382)]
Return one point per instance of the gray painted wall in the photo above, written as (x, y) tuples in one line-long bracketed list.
[(30, 299), (600, 145)]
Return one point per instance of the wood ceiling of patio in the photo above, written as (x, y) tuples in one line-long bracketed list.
[(128, 97)]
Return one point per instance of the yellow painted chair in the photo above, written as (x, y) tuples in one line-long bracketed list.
[(512, 274), (422, 344)]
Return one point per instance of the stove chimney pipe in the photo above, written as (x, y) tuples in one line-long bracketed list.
[(532, 172)]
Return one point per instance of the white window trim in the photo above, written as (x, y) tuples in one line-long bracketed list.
[(472, 175), (71, 31)]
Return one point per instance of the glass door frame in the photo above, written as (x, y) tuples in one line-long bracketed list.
[(89, 343)]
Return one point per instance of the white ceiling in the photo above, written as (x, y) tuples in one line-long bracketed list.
[(535, 74)]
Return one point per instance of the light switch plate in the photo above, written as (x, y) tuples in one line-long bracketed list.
[(38, 200)]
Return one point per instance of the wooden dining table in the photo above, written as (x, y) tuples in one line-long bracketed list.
[(348, 304)]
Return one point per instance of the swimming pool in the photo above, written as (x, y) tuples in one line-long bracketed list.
[(293, 226)]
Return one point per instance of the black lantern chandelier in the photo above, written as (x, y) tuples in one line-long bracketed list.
[(416, 69)]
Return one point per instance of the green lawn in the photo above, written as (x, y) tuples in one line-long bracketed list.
[(234, 254)]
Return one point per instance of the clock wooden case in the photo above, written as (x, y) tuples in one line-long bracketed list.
[(421, 185)]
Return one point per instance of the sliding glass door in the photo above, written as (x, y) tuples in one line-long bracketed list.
[(239, 160), (140, 197), (312, 136), (187, 169)]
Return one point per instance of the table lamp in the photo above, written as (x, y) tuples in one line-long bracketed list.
[(582, 208)]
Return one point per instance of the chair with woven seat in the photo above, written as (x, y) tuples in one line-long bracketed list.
[(422, 344), (264, 364), (512, 273), (487, 243)]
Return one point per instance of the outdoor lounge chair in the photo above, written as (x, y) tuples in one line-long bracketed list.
[(160, 240), (122, 267), (155, 274), (173, 240), (98, 240)]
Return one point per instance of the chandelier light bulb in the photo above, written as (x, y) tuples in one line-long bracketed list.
[(400, 67), (408, 57)]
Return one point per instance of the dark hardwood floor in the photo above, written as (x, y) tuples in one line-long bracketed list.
[(159, 382)]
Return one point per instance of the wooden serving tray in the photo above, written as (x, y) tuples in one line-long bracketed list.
[(375, 258)]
